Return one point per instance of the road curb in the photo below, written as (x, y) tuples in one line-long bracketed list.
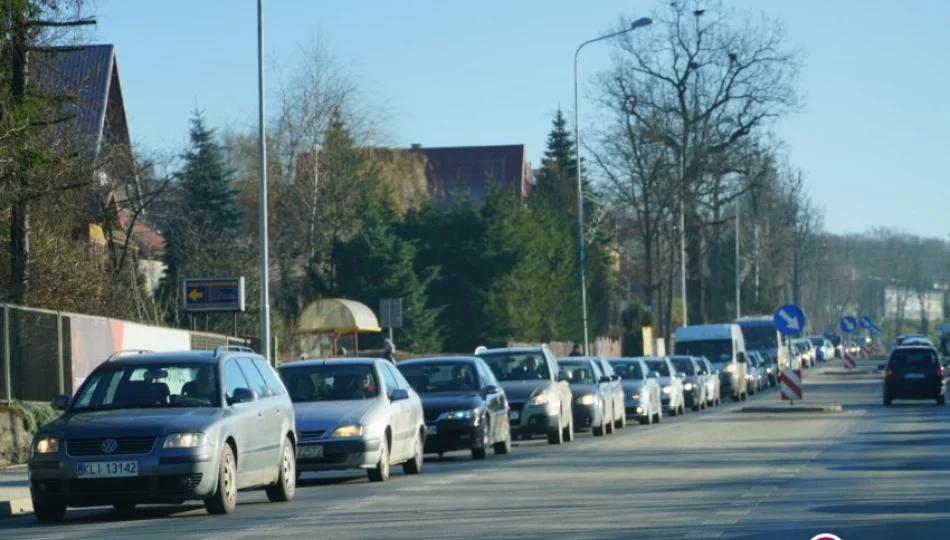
[(16, 507), (851, 372), (833, 408)]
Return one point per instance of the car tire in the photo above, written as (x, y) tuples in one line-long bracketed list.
[(682, 408), (224, 499), (569, 430), (503, 447), (481, 452), (647, 420), (556, 436), (609, 426), (414, 465), (286, 485), (380, 473), (48, 510), (622, 422)]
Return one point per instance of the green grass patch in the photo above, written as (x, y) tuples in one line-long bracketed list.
[(35, 414)]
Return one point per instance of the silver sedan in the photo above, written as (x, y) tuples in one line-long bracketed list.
[(355, 413)]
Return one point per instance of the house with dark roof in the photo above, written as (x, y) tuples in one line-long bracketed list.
[(470, 170), (87, 114)]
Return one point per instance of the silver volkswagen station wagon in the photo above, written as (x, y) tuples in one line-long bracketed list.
[(167, 427)]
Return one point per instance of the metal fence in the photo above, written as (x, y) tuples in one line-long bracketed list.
[(46, 353)]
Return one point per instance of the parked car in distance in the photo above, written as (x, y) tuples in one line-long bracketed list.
[(671, 384), (614, 389), (355, 413), (464, 406), (641, 394), (724, 346), (595, 403), (694, 387), (539, 397), (165, 428), (713, 394), (914, 372)]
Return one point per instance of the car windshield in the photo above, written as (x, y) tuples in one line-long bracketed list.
[(759, 336), (517, 366), (716, 350), (683, 365), (154, 385), (628, 370), (429, 377), (329, 382), (660, 367), (817, 341), (581, 372)]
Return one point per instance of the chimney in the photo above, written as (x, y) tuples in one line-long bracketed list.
[(415, 146)]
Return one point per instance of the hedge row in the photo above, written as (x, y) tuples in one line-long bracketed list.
[(35, 414)]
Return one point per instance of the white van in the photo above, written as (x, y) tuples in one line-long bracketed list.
[(724, 347)]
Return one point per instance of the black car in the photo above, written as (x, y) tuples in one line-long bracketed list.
[(914, 372), (464, 406)]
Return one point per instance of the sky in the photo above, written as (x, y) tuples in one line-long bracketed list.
[(869, 140)]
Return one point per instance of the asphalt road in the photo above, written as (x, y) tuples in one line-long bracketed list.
[(871, 473)]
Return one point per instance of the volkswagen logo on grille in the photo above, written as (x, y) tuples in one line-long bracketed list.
[(109, 446)]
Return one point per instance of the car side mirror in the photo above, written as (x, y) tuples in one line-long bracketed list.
[(681, 375), (60, 402), (491, 389), (741, 357), (399, 394), (563, 377), (242, 395), (604, 379), (615, 378), (654, 375)]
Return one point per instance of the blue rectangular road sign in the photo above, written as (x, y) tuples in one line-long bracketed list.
[(214, 294)]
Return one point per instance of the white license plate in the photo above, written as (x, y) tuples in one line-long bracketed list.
[(107, 469), (914, 376), (310, 451), (514, 415), (432, 430)]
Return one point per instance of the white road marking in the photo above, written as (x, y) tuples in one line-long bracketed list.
[(704, 534), (721, 522), (733, 512)]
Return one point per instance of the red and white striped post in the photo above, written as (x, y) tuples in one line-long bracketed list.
[(849, 360), (791, 385)]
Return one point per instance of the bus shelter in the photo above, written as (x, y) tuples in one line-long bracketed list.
[(325, 322)]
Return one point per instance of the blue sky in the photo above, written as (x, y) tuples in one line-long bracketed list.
[(493, 71)]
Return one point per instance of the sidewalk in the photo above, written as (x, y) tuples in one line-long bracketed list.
[(14, 492)]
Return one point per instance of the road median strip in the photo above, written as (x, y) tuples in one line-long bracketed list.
[(831, 408)]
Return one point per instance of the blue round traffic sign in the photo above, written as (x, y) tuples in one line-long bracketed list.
[(789, 319), (875, 330), (848, 324), (865, 322)]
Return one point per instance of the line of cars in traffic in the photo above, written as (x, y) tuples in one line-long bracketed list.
[(166, 428)]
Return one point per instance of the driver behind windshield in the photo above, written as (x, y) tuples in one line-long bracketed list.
[(532, 368), (202, 387)]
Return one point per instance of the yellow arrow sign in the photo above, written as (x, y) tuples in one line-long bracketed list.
[(196, 295)]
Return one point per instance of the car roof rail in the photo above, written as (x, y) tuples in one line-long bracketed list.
[(124, 352), (234, 348)]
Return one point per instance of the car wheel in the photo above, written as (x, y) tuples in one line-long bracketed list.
[(622, 422), (569, 430), (225, 496), (608, 425), (647, 420), (503, 447), (48, 510), (556, 435), (414, 465), (380, 473), (286, 485), (600, 430), (481, 452)]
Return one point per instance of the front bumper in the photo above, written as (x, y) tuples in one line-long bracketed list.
[(586, 416), (338, 454), (451, 435), (167, 479), (530, 420), (636, 408), (921, 390)]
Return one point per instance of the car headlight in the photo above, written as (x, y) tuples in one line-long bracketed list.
[(688, 386), (540, 399), (184, 440), (46, 445), (667, 389), (586, 399), (729, 368), (634, 396), (351, 430), (459, 414)]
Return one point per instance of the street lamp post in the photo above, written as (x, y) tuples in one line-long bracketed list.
[(262, 199), (644, 21)]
